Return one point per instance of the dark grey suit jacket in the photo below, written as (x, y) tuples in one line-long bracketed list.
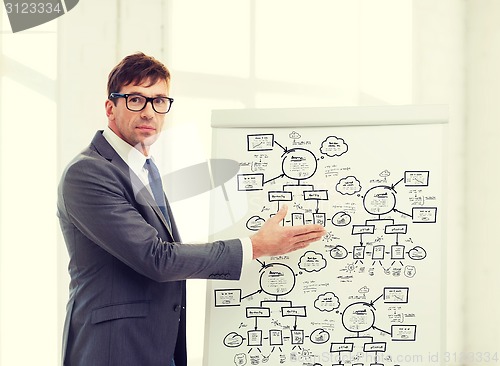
[(128, 271)]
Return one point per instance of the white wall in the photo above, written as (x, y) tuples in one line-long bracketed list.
[(481, 250), (439, 77)]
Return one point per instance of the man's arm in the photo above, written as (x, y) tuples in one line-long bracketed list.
[(96, 209), (92, 198), (275, 239)]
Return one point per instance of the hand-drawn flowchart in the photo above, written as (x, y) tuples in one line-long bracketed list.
[(362, 295)]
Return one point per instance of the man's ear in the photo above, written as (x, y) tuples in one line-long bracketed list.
[(109, 105)]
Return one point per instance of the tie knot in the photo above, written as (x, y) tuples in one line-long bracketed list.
[(151, 167)]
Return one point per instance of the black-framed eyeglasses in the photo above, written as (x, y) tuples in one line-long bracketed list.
[(137, 102)]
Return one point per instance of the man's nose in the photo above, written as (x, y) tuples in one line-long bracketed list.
[(148, 111)]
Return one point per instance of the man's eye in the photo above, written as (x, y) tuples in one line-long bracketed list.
[(159, 101), (135, 99)]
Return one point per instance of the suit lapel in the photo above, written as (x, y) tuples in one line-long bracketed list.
[(141, 193)]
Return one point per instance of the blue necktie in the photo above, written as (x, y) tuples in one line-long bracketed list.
[(157, 188)]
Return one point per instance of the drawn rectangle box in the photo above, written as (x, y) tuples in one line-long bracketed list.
[(378, 252), (319, 218), (275, 337), (363, 229), (297, 218), (417, 178), (404, 333), (396, 295), (424, 215), (396, 229), (250, 182), (297, 337), (316, 195), (254, 338), (358, 252), (260, 142), (230, 297), (375, 347), (397, 251), (258, 312), (279, 196), (294, 311), (341, 347)]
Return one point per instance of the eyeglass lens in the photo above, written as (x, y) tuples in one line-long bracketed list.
[(138, 102)]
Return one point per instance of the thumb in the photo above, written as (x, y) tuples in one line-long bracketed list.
[(281, 214)]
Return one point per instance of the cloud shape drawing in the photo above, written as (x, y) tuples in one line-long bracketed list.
[(254, 223), (364, 290), (348, 186), (333, 146), (338, 252), (233, 339), (417, 253), (312, 261), (319, 336), (294, 135), (385, 173), (327, 302), (341, 219)]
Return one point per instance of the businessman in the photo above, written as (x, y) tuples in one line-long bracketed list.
[(127, 301)]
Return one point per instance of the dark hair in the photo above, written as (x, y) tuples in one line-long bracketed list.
[(136, 69)]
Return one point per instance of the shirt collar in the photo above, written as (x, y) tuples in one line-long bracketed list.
[(130, 155)]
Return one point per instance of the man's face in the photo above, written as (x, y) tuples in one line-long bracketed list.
[(139, 129)]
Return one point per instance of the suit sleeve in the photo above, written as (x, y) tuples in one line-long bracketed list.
[(93, 198)]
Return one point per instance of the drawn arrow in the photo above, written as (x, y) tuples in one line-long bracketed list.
[(263, 264), (383, 331), (253, 293), (374, 301), (402, 213), (270, 180), (284, 148), (394, 185)]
